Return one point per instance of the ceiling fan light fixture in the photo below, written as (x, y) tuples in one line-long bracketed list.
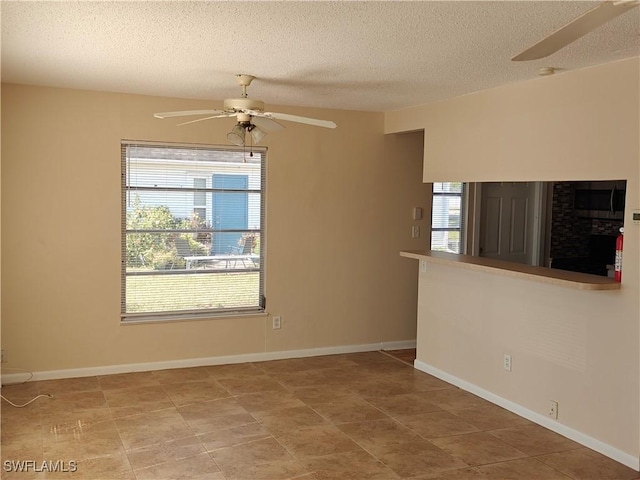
[(256, 134), (236, 135)]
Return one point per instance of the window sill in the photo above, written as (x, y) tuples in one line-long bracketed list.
[(582, 281), (187, 317)]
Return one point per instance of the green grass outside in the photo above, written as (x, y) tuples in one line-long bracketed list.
[(167, 293)]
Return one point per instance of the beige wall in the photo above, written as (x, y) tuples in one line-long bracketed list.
[(338, 211), (576, 347)]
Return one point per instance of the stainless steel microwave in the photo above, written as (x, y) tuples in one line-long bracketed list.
[(600, 199)]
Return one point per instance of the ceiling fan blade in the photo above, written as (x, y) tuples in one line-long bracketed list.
[(295, 118), (187, 113), (265, 123), (221, 115), (577, 28)]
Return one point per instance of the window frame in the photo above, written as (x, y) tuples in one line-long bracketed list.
[(196, 313), (463, 195)]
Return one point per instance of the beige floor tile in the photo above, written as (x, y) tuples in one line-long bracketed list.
[(306, 378), (437, 424), (165, 452), (356, 465), (316, 441), (534, 439), (454, 399), (82, 442), (147, 429), (366, 358), (390, 367), (377, 435), (199, 467), (278, 470), (418, 458), (405, 404), (471, 473), (237, 370), (233, 436), (212, 408), (134, 401), (19, 421), (215, 415), (192, 392), (23, 391), (279, 421), (22, 447), (103, 467), (75, 420), (262, 383), (220, 422), (314, 395), (127, 380), (21, 473), (417, 381), (270, 400), (380, 387), (585, 464), (74, 410), (181, 375), (478, 448), (292, 365), (490, 417), (284, 420), (68, 385), (250, 454), (340, 377), (521, 469), (349, 409), (77, 401)]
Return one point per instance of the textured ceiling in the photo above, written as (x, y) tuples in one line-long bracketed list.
[(375, 56)]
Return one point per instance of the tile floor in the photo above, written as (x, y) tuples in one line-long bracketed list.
[(341, 417)]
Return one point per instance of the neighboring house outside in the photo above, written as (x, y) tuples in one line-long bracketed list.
[(213, 170)]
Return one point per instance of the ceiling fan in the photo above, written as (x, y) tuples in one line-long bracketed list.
[(577, 28), (250, 116)]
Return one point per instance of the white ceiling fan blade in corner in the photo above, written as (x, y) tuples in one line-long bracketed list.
[(295, 118), (220, 115), (187, 113), (577, 28), (265, 123)]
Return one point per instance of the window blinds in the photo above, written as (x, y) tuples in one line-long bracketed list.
[(192, 230)]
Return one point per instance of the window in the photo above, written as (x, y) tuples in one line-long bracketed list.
[(199, 195), (447, 217), (192, 231)]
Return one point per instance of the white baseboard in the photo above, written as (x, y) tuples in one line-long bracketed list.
[(7, 379), (583, 439), (399, 345)]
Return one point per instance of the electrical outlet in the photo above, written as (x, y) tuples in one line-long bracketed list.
[(553, 409), (507, 362), (276, 322), (415, 231)]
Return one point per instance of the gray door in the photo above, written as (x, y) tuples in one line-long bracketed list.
[(506, 221)]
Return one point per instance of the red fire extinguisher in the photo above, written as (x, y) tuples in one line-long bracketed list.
[(618, 263)]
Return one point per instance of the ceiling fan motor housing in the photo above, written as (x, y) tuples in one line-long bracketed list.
[(240, 104)]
